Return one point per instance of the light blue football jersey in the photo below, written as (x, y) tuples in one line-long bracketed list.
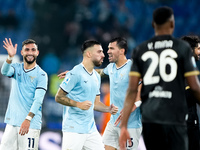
[(119, 80), (80, 86), (27, 94)]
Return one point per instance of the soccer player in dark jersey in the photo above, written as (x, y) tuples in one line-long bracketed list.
[(163, 62), (193, 121)]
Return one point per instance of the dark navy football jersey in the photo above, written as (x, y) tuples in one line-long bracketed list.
[(163, 62)]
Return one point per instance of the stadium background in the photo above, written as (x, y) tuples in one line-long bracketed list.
[(61, 26)]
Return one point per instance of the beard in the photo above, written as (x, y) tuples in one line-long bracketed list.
[(97, 63), (32, 61)]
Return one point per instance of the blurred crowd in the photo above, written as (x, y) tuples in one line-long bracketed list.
[(60, 27)]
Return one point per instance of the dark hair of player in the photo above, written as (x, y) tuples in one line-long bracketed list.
[(89, 43), (121, 43), (28, 41), (193, 40), (162, 14)]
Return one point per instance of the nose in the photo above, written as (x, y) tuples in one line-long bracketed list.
[(108, 51), (103, 55)]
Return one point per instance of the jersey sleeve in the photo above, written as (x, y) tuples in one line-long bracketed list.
[(40, 92), (135, 65), (190, 67), (42, 81), (99, 85), (69, 82), (7, 69)]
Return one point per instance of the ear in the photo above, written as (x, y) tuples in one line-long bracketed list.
[(122, 51), (38, 52), (21, 52), (172, 24), (88, 53)]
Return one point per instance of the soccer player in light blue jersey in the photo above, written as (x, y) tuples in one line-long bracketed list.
[(118, 72), (29, 85), (80, 94)]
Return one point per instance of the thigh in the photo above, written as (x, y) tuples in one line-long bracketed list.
[(9, 139), (177, 137), (193, 135), (154, 136), (93, 142), (111, 136), (29, 141), (135, 134), (73, 141)]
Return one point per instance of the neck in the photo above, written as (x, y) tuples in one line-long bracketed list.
[(29, 66), (121, 61), (162, 32), (89, 66), (165, 29)]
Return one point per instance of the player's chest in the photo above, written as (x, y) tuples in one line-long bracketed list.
[(89, 82), (26, 78), (119, 76)]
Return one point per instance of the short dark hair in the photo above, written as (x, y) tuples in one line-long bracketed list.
[(121, 43), (162, 14), (193, 40), (28, 41), (89, 43)]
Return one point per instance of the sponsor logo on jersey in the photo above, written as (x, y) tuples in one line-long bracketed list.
[(159, 93)]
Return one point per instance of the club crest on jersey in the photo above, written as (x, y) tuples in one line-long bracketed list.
[(121, 75), (32, 78)]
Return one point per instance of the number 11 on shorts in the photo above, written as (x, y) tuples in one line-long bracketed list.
[(31, 142)]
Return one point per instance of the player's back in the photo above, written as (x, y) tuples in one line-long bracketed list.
[(162, 62)]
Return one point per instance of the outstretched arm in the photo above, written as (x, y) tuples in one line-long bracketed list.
[(99, 106), (62, 75)]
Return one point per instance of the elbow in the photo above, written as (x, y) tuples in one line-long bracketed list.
[(57, 98), (3, 73)]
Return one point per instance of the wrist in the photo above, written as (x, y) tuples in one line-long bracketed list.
[(29, 118), (78, 104), (10, 58)]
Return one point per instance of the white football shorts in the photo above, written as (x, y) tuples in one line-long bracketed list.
[(112, 133), (12, 140), (76, 141)]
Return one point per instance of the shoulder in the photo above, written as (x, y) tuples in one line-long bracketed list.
[(17, 65), (110, 65), (96, 73), (41, 72)]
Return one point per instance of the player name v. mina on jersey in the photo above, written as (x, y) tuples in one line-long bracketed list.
[(163, 62)]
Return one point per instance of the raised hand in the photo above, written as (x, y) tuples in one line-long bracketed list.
[(113, 109), (84, 105), (12, 50)]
